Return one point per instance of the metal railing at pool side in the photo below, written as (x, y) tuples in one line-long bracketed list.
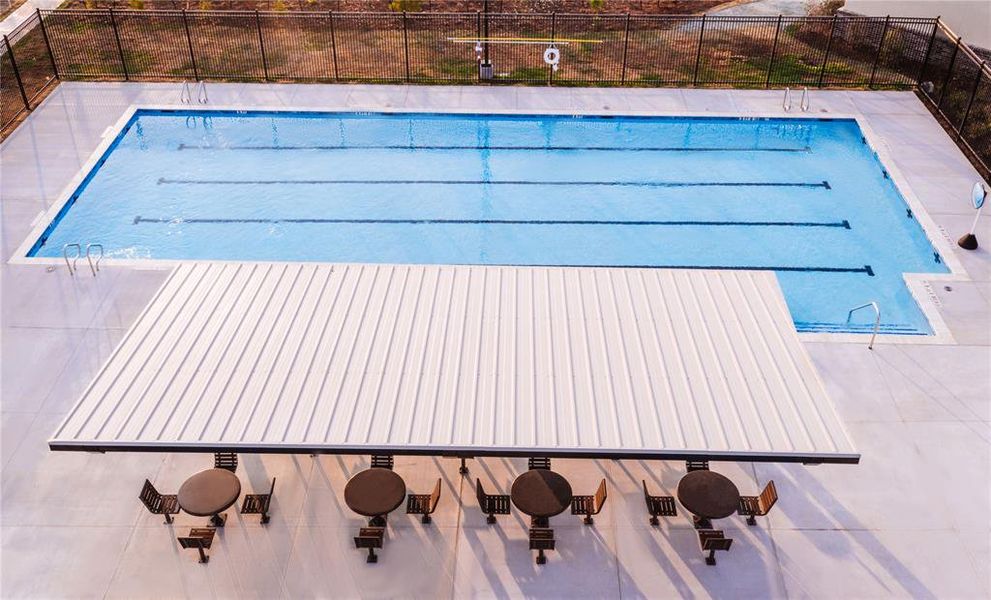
[(94, 266), (877, 320), (805, 103), (186, 93), (92, 259), (65, 254)]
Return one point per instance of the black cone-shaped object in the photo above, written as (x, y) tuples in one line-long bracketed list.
[(968, 242)]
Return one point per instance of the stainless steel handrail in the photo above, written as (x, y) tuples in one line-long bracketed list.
[(65, 254), (201, 95), (877, 320), (786, 103), (94, 267), (806, 102), (185, 94)]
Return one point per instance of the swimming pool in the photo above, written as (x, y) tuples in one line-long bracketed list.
[(805, 198)]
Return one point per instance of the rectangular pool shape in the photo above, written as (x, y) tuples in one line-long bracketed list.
[(806, 198)]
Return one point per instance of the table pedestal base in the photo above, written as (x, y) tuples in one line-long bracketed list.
[(218, 520), (701, 522), (378, 521), (540, 522)]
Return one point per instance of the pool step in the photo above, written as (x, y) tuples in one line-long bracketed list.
[(892, 328)]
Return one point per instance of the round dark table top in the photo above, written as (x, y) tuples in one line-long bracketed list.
[(374, 492), (541, 493), (708, 494), (209, 492)]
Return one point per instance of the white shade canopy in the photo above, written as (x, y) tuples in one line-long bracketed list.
[(462, 360)]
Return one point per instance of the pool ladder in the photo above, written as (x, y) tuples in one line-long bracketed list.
[(186, 93), (94, 265), (805, 103), (877, 320)]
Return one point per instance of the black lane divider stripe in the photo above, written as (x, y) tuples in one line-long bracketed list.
[(866, 269), (524, 148), (844, 224), (165, 181)]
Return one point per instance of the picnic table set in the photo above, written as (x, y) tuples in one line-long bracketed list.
[(539, 493)]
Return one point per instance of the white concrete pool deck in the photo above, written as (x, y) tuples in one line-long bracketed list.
[(912, 519)]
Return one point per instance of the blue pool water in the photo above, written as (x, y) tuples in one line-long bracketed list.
[(803, 197)]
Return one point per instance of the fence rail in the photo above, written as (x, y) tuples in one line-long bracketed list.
[(618, 49)]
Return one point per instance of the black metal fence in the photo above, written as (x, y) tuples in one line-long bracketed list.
[(26, 71), (418, 47), (956, 85), (631, 50)]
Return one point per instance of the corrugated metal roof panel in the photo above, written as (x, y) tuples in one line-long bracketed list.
[(462, 359)]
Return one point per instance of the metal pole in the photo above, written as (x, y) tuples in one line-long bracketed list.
[(333, 43), (698, 54), (120, 49), (189, 42), (880, 47), (17, 73), (626, 46), (550, 74), (949, 73), (406, 45), (485, 33), (774, 51), (970, 103), (478, 34), (48, 45), (261, 43), (929, 49), (825, 57)]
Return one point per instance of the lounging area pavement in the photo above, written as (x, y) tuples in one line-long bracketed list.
[(910, 519)]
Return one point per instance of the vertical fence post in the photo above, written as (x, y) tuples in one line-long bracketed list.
[(774, 51), (929, 49), (48, 45), (120, 49), (698, 54), (17, 73), (478, 35), (626, 47), (825, 57), (406, 45), (550, 72), (189, 43), (949, 73), (261, 44), (333, 43), (970, 103), (880, 47), (485, 30)]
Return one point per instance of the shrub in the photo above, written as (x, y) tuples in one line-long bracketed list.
[(405, 5)]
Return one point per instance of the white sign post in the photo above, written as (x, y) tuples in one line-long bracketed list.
[(978, 195)]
